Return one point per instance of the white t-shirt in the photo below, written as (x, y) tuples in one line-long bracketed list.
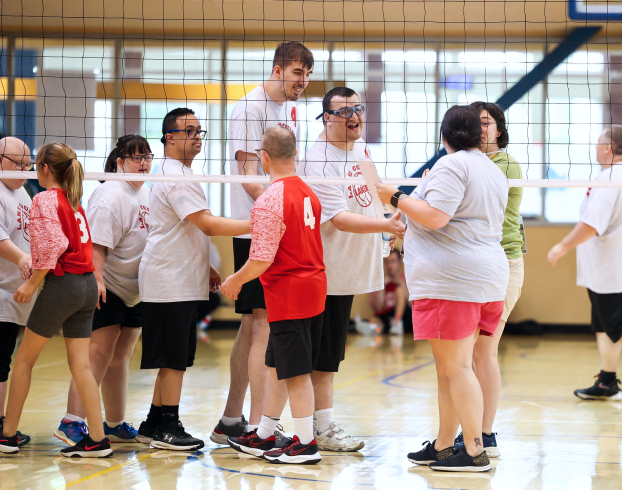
[(464, 260), (118, 217), (14, 226), (599, 260), (176, 261), (353, 260), (250, 118)]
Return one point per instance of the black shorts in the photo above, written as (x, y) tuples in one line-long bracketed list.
[(293, 346), (251, 294), (8, 338), (115, 312), (169, 335), (335, 323), (607, 314)]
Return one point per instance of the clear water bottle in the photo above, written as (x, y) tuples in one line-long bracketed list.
[(386, 239)]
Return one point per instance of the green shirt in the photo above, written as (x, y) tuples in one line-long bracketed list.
[(512, 240)]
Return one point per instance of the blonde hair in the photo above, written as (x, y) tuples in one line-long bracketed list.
[(66, 169), (280, 143)]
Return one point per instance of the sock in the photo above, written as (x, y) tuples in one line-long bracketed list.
[(229, 421), (303, 428), (154, 417), (489, 434), (267, 426), (324, 419), (112, 425), (74, 418), (607, 378), (170, 413), (251, 428)]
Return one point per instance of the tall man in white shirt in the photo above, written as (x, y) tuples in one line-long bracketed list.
[(351, 236), (270, 104), (598, 238)]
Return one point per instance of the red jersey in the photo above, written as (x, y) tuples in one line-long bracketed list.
[(285, 228), (60, 239)]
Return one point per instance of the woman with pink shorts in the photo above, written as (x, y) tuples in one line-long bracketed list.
[(457, 274)]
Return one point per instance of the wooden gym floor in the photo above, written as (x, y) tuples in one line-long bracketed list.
[(385, 394)]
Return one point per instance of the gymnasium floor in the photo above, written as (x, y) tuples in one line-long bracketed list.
[(385, 394)]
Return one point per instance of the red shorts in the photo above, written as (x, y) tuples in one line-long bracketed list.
[(454, 320)]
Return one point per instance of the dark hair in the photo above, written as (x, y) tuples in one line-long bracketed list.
[(335, 92), (497, 114), (170, 120), (461, 127), (127, 146), (290, 52)]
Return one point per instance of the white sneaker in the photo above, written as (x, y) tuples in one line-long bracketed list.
[(397, 327), (336, 439)]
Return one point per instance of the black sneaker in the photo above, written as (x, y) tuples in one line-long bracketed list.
[(88, 448), (9, 445), (601, 391), (251, 443), (175, 438), (222, 432), (145, 433), (295, 453), (489, 441), (282, 440), (23, 439), (430, 455), (461, 461)]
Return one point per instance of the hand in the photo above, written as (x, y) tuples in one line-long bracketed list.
[(101, 293), (385, 192), (24, 292), (230, 288), (395, 227), (214, 279), (425, 173), (25, 266), (392, 241), (556, 253)]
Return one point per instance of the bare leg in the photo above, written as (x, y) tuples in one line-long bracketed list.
[(301, 399), (171, 382), (609, 352), (114, 384), (157, 391), (257, 370), (447, 414), (485, 358), (238, 365), (322, 389), (3, 386), (26, 357), (276, 395)]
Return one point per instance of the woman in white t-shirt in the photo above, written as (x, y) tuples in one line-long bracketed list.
[(118, 215), (457, 275)]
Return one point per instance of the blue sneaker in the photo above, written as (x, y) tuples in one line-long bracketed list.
[(490, 444), (71, 432), (121, 433)]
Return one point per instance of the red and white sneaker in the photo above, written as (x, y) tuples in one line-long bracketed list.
[(251, 443), (295, 453)]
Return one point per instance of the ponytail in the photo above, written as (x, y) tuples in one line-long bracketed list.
[(111, 162), (72, 182), (66, 169)]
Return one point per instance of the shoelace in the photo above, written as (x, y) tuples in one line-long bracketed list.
[(279, 433)]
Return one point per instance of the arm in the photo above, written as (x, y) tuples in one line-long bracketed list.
[(214, 279), (99, 259), (580, 234), (212, 225), (355, 223), (415, 209), (251, 270), (11, 252), (25, 291), (247, 165)]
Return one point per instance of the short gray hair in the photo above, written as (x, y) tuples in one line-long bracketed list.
[(280, 143), (614, 134)]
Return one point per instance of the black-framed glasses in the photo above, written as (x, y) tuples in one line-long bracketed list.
[(259, 150), (147, 157), (345, 112), (192, 133), (19, 165)]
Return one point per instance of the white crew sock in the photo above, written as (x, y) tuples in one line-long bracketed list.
[(303, 428), (229, 421), (324, 419), (266, 427), (112, 425), (251, 428), (74, 418)]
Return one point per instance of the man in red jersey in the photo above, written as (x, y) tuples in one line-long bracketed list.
[(286, 254)]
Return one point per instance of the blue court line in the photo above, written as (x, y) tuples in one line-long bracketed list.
[(387, 381)]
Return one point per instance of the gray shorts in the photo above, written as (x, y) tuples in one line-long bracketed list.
[(66, 301)]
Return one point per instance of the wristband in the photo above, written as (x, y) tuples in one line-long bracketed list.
[(395, 198)]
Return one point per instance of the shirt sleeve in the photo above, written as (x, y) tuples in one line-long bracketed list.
[(4, 230), (267, 229), (187, 198), (47, 240), (599, 209), (104, 227), (245, 132), (445, 187)]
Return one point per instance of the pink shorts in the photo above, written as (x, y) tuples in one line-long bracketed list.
[(454, 320)]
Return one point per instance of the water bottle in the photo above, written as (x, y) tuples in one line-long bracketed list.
[(386, 239)]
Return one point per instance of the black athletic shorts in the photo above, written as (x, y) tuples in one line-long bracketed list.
[(335, 324), (607, 314), (115, 312), (8, 338), (293, 346), (169, 335), (251, 294)]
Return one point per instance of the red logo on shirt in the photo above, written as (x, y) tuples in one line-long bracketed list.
[(294, 115), (23, 221), (286, 126), (588, 192), (143, 217), (359, 192), (367, 154)]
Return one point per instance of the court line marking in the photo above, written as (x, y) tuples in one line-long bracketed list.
[(387, 381), (379, 371)]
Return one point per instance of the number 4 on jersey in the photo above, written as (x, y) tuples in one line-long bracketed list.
[(309, 218)]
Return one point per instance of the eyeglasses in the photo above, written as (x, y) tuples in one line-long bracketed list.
[(19, 165), (345, 112), (259, 150), (192, 133), (147, 157)]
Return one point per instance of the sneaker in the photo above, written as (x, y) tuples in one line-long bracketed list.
[(202, 327), (282, 440), (461, 461), (222, 432), (88, 448), (429, 454), (71, 432), (9, 445), (295, 453), (121, 433), (175, 438), (397, 327), (600, 391), (490, 444), (336, 439), (145, 433), (23, 439), (251, 443)]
